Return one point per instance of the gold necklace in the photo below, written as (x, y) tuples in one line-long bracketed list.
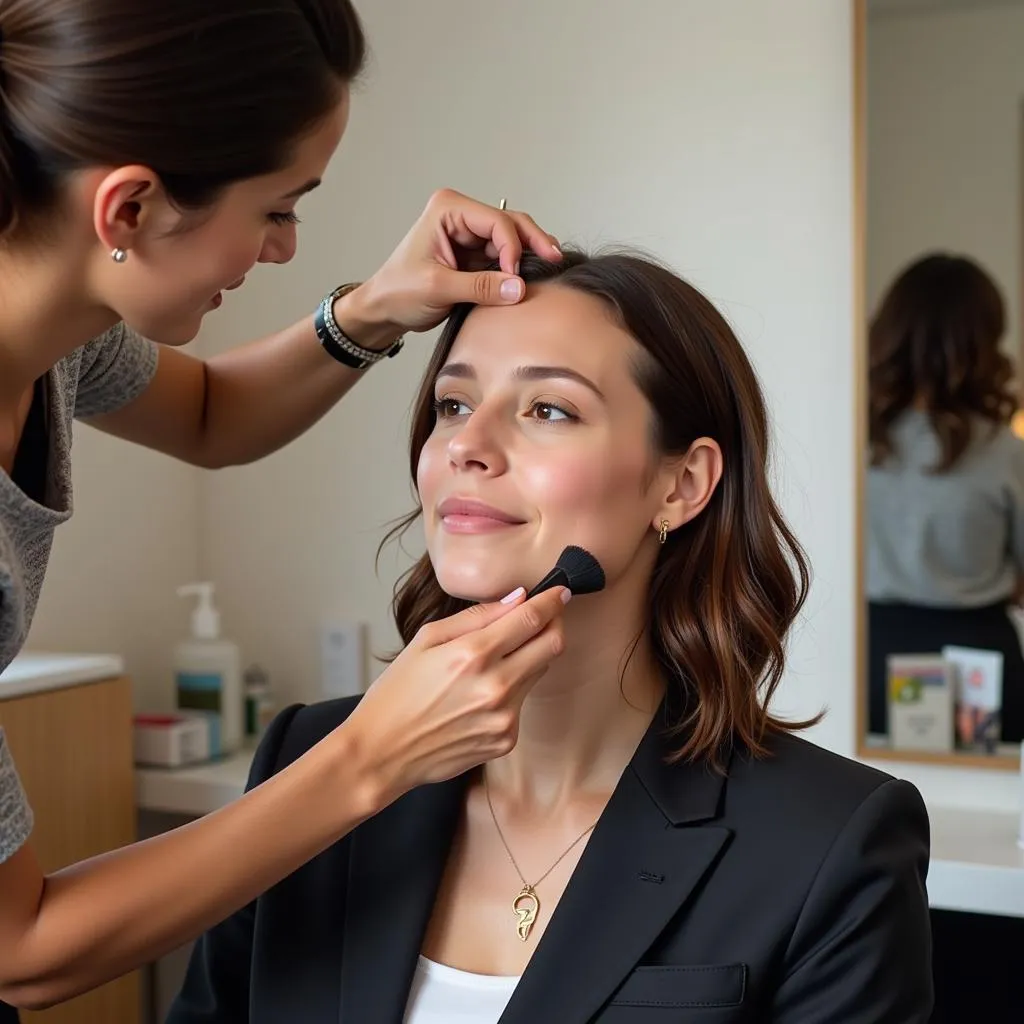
[(526, 905)]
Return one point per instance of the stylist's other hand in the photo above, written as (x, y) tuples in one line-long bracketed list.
[(439, 264), (451, 699)]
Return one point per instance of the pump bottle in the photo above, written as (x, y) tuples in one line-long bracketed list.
[(208, 674)]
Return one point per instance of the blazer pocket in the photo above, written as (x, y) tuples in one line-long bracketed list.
[(696, 987)]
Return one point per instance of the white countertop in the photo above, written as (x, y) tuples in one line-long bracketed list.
[(38, 671), (976, 864)]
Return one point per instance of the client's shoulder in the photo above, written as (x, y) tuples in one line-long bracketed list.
[(312, 722), (794, 760), (808, 787)]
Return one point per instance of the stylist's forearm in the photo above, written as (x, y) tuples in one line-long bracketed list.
[(261, 396), (108, 915)]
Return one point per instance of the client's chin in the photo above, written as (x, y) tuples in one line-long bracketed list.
[(476, 589), (476, 597)]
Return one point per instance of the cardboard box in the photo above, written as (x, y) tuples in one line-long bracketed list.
[(171, 741), (921, 701)]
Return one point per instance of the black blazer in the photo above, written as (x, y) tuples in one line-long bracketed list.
[(792, 890)]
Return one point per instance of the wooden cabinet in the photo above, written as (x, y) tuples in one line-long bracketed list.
[(73, 751)]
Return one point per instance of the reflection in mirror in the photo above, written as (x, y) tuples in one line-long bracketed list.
[(943, 523)]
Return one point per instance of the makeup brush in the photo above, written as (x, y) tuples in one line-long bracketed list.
[(576, 569)]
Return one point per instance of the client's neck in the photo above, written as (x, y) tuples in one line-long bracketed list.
[(583, 720)]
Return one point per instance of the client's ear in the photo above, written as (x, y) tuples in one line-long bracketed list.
[(691, 481)]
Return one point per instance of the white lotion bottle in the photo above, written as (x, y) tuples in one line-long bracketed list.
[(208, 674)]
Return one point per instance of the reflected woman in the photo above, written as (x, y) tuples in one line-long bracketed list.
[(945, 485)]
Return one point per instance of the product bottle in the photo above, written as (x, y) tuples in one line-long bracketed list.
[(207, 674), (259, 702)]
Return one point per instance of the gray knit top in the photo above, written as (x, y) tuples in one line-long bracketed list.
[(953, 539), (100, 377)]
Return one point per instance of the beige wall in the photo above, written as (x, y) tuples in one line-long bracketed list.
[(717, 135), (945, 126), (133, 538)]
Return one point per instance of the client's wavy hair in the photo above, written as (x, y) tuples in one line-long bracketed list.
[(934, 345), (728, 585)]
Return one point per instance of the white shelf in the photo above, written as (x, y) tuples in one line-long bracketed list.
[(977, 864), (193, 791)]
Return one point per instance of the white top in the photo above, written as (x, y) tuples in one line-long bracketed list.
[(443, 995)]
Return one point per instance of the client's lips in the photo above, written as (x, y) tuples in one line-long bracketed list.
[(467, 510)]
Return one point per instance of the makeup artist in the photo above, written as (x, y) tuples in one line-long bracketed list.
[(150, 156)]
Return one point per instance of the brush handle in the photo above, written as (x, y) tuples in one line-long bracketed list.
[(555, 578)]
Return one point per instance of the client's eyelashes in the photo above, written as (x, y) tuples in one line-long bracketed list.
[(443, 408), (447, 407), (543, 411)]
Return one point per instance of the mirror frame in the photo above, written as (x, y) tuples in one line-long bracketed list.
[(1000, 762)]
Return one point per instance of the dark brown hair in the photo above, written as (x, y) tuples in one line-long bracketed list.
[(728, 585), (204, 92), (934, 345)]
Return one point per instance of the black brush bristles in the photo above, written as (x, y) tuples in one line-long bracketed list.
[(576, 569), (582, 569)]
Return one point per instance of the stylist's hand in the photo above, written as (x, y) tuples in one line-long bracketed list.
[(451, 699), (438, 264)]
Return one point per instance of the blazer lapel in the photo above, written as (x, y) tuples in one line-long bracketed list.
[(639, 868), (395, 868)]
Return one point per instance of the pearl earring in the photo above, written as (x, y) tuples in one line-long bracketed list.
[(119, 255)]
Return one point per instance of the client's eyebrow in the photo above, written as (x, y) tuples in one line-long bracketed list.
[(463, 371), (302, 189)]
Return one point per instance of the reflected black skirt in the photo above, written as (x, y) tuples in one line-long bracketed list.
[(913, 629)]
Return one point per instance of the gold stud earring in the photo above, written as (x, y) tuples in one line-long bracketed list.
[(119, 255), (663, 532)]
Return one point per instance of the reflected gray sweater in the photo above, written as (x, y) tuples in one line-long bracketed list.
[(97, 378), (954, 539)]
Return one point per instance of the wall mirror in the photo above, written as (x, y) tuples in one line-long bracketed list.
[(939, 92)]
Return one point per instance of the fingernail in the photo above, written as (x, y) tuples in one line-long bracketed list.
[(511, 289), (566, 595), (554, 245), (509, 598)]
